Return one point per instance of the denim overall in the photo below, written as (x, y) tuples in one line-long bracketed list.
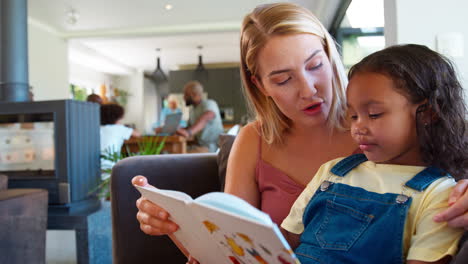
[(346, 224)]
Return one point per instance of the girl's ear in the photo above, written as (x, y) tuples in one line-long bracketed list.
[(428, 114), (258, 84)]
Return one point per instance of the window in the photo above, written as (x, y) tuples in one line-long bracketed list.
[(361, 31)]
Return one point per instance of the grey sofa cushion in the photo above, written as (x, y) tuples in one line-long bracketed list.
[(194, 174), (23, 218), (225, 144), (462, 255), (3, 182)]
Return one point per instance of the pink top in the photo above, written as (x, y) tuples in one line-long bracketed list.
[(277, 190)]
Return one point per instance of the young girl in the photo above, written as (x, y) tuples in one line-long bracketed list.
[(407, 116)]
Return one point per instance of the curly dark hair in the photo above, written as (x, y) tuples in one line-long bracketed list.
[(94, 98), (425, 76), (111, 113)]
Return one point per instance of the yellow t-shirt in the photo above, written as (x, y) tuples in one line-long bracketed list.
[(424, 239)]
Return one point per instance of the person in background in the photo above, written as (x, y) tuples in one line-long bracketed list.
[(113, 133), (170, 107), (205, 123), (94, 98)]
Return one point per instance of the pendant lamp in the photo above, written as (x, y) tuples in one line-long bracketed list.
[(158, 75), (200, 67), (200, 73)]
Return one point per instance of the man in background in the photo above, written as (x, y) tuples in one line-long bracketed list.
[(204, 122)]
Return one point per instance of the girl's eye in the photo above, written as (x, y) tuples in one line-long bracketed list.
[(352, 116), (375, 116)]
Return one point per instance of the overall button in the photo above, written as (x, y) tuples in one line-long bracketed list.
[(401, 199), (325, 185)]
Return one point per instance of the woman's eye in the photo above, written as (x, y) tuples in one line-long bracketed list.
[(375, 116), (315, 66), (283, 82)]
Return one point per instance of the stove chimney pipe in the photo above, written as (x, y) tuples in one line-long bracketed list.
[(14, 83)]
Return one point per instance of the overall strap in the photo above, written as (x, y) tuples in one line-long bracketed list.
[(423, 179), (347, 164)]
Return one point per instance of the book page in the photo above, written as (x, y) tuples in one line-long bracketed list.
[(241, 232), (190, 233), (235, 205)]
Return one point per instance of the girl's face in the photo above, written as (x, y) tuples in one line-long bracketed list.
[(383, 121), (295, 72)]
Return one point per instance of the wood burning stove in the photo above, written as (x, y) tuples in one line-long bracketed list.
[(52, 145)]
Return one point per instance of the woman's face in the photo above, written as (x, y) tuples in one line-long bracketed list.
[(295, 72)]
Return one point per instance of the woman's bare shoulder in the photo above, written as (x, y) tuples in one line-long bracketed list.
[(240, 174), (249, 134), (245, 150)]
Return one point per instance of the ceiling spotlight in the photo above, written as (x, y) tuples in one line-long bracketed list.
[(72, 16), (168, 6)]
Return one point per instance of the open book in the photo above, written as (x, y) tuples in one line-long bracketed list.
[(219, 228)]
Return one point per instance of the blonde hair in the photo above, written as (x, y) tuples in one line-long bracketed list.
[(276, 19), (194, 87)]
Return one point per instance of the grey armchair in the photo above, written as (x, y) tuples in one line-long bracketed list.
[(23, 218), (194, 174)]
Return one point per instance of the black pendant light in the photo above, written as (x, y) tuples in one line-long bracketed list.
[(158, 75), (200, 67), (200, 73)]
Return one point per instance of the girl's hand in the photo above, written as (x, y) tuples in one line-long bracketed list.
[(457, 214), (153, 219)]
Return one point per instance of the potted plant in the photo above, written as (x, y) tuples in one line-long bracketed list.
[(146, 146)]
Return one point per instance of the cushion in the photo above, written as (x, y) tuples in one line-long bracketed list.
[(462, 255), (3, 182), (225, 144)]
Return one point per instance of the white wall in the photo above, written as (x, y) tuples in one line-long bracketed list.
[(88, 78), (48, 64), (151, 105), (135, 104), (143, 103), (420, 21)]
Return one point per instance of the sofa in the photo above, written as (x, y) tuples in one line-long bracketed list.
[(194, 174), (23, 224)]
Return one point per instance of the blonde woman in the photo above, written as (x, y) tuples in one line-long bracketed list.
[(295, 84)]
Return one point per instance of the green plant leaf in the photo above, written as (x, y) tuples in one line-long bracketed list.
[(146, 146)]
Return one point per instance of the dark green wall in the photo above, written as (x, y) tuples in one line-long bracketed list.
[(222, 85)]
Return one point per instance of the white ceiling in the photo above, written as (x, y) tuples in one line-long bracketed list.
[(120, 36)]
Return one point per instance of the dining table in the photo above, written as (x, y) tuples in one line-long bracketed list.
[(174, 144)]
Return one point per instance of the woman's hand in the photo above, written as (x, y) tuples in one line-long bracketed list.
[(153, 219), (457, 213)]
